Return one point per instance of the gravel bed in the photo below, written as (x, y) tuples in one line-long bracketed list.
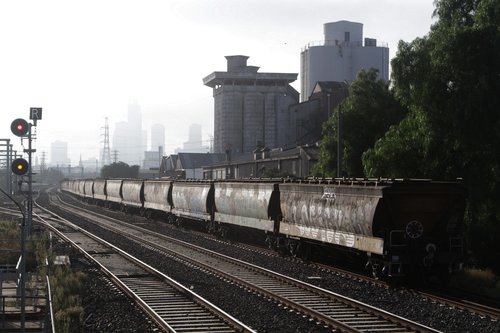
[(106, 308), (267, 316), (393, 300), (260, 314)]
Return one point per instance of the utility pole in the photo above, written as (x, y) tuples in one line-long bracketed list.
[(106, 153), (339, 129), (42, 165), (115, 156), (339, 158)]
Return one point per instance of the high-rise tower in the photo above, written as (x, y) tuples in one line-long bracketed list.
[(195, 142), (158, 137), (128, 137), (59, 153)]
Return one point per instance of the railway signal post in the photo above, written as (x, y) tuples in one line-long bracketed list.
[(20, 167)]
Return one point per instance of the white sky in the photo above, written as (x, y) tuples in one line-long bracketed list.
[(82, 61)]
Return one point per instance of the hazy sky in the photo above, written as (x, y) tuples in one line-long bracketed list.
[(82, 61)]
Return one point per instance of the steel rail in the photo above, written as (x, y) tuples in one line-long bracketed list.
[(226, 323), (480, 309), (319, 303)]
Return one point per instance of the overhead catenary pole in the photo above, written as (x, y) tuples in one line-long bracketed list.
[(9, 160), (339, 130), (338, 142), (30, 182)]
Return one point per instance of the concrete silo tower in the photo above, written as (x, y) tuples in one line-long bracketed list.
[(340, 57), (250, 108)]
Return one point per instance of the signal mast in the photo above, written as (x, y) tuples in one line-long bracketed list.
[(20, 167)]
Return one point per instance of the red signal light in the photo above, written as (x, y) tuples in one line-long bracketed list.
[(19, 166), (19, 127)]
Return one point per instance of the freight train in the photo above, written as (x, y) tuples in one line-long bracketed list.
[(398, 227)]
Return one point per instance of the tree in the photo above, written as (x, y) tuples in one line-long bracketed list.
[(120, 170), (450, 81), (365, 116), (402, 152)]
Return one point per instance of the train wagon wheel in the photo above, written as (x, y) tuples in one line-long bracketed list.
[(305, 251), (270, 242), (225, 233), (293, 247), (375, 269)]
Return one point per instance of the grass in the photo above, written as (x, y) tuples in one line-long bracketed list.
[(66, 287)]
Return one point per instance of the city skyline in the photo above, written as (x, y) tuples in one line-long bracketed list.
[(158, 53), (119, 149)]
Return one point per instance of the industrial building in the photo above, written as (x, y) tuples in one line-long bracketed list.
[(307, 117), (250, 108), (295, 162), (340, 57)]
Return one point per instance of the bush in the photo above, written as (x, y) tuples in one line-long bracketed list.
[(69, 320), (66, 287), (9, 240)]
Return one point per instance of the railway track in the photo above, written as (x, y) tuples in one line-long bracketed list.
[(323, 306), (465, 303), (10, 212), (172, 306)]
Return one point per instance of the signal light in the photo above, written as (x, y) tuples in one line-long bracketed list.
[(19, 166), (19, 127)]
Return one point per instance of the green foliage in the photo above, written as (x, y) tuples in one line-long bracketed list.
[(120, 170), (69, 320), (450, 81), (66, 287), (402, 151), (365, 116), (9, 240), (326, 165)]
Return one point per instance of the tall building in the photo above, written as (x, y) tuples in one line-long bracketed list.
[(158, 137), (194, 133), (194, 143), (250, 108), (341, 56), (153, 157), (59, 153), (128, 138), (119, 141)]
